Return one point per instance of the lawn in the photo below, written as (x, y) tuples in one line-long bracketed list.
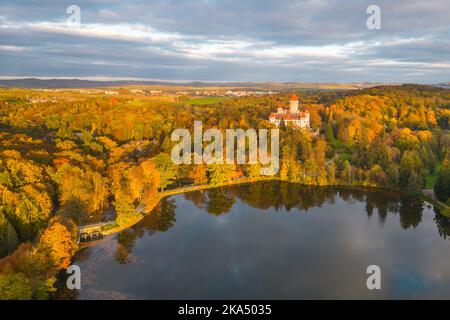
[(204, 100)]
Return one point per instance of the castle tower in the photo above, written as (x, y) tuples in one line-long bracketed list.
[(280, 109), (293, 104)]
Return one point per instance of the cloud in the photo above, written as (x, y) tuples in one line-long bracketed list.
[(12, 48), (129, 32), (224, 40)]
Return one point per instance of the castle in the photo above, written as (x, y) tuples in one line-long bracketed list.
[(291, 116)]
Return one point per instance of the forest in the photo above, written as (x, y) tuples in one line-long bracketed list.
[(68, 159)]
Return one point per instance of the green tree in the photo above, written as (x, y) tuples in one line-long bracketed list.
[(393, 176), (8, 237), (14, 286), (346, 174), (74, 209), (125, 211), (411, 173), (220, 173), (329, 135), (442, 186), (166, 168), (331, 173)]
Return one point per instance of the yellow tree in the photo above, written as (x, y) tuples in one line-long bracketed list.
[(198, 174), (59, 241), (152, 180)]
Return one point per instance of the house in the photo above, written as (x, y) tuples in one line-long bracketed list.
[(291, 116)]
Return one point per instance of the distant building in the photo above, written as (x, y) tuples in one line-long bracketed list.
[(291, 116), (111, 92)]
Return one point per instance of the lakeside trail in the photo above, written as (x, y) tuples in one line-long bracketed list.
[(445, 209)]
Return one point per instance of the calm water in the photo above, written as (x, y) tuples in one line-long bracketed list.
[(276, 241)]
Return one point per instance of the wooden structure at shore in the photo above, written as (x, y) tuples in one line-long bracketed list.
[(91, 232)]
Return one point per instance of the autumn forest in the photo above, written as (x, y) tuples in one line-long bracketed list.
[(70, 158)]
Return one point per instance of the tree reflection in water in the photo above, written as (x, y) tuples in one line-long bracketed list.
[(279, 195)]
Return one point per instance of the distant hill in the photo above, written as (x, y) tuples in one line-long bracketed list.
[(77, 83), (444, 85)]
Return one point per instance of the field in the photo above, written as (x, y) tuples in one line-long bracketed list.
[(204, 100)]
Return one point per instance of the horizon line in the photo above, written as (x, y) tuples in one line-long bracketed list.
[(118, 79)]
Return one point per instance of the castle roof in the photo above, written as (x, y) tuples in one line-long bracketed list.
[(294, 97), (289, 116)]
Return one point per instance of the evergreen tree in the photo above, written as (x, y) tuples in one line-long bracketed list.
[(329, 135), (8, 237), (442, 186)]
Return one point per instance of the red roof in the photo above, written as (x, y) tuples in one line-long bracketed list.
[(294, 97), (289, 115)]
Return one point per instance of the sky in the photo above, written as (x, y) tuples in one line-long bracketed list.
[(227, 40)]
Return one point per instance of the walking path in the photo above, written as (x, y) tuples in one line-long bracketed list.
[(444, 208)]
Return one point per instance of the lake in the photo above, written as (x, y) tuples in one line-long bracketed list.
[(273, 240)]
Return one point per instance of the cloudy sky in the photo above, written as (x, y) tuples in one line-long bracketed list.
[(227, 40)]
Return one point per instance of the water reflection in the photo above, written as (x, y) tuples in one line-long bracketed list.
[(443, 226), (286, 196), (275, 240)]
